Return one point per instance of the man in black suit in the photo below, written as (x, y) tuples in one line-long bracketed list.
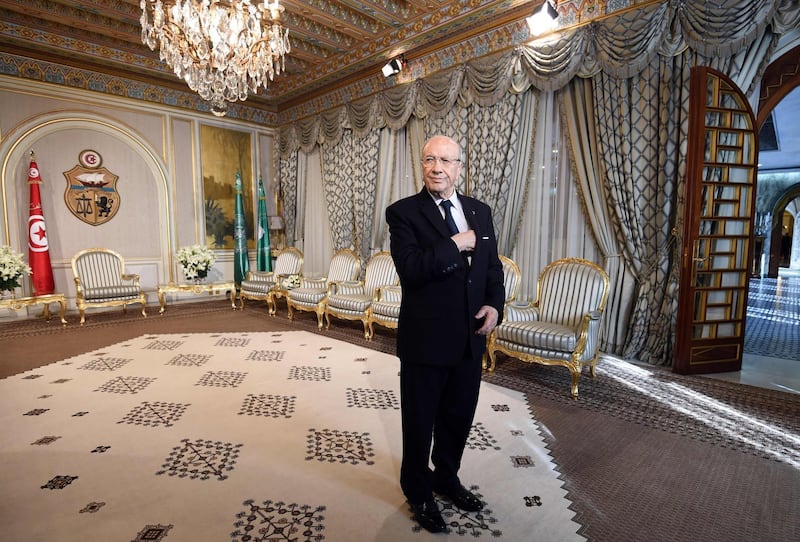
[(452, 282)]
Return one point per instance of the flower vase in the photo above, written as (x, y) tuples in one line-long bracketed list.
[(201, 276)]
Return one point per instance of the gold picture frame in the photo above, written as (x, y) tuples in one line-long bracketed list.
[(223, 153)]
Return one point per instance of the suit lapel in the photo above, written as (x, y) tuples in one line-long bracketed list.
[(431, 212)]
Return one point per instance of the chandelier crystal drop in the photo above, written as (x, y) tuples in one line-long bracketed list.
[(223, 49)]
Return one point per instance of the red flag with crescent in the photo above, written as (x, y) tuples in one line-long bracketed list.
[(38, 247)]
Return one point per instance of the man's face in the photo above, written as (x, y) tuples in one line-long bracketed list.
[(441, 166)]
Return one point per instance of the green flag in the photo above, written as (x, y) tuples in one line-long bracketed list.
[(262, 241), (241, 261)]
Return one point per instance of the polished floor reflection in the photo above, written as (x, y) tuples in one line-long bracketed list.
[(772, 336)]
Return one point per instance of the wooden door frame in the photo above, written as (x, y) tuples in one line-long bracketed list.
[(718, 351)]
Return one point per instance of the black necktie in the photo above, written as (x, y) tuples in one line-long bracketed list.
[(448, 216)]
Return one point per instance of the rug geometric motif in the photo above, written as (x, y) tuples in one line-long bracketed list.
[(364, 398), (189, 360), (275, 406), (152, 533), (467, 524), (105, 364), (335, 446), (310, 373), (278, 521), (235, 342), (163, 345), (126, 384), (155, 414), (266, 355), (92, 507), (45, 440), (201, 459), (223, 379), (480, 438), (59, 482)]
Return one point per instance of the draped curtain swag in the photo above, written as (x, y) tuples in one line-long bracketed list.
[(626, 127)]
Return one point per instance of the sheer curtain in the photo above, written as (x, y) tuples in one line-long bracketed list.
[(318, 245)]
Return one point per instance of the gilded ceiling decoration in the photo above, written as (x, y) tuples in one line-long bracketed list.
[(332, 40)]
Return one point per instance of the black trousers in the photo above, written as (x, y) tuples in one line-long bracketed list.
[(437, 408)]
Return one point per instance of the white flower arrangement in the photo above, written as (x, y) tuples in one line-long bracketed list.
[(12, 268), (196, 260)]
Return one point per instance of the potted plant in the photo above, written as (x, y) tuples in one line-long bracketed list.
[(196, 260)]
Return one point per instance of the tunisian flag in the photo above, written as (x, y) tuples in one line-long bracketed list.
[(39, 250)]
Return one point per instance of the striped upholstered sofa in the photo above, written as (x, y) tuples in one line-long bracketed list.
[(562, 326), (312, 293), (352, 300), (101, 281)]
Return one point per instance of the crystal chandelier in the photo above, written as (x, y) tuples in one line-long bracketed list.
[(223, 49)]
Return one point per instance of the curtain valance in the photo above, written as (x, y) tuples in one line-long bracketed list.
[(620, 46)]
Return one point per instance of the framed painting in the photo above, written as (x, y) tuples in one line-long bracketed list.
[(223, 153)]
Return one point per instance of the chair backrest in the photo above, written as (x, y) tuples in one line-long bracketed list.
[(380, 271), (98, 267), (289, 262), (511, 278), (569, 288), (345, 265)]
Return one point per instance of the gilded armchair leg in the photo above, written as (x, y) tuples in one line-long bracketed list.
[(367, 330), (82, 312), (289, 311), (320, 314), (576, 374), (489, 359)]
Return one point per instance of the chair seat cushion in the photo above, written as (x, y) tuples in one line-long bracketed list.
[(351, 303), (386, 309), (111, 293), (307, 295), (257, 286), (539, 335)]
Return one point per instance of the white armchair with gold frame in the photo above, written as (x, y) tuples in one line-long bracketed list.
[(259, 285), (511, 278), (101, 281), (562, 326), (385, 307), (352, 300), (312, 293)]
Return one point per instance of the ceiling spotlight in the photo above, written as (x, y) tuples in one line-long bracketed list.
[(394, 66), (543, 20)]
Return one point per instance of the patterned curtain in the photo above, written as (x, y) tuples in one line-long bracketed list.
[(288, 194), (337, 175), (640, 124), (350, 174)]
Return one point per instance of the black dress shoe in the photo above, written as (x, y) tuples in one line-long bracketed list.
[(461, 497), (429, 517)]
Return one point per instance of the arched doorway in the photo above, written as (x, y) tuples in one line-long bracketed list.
[(778, 191)]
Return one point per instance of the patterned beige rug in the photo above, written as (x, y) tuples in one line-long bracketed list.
[(249, 437)]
